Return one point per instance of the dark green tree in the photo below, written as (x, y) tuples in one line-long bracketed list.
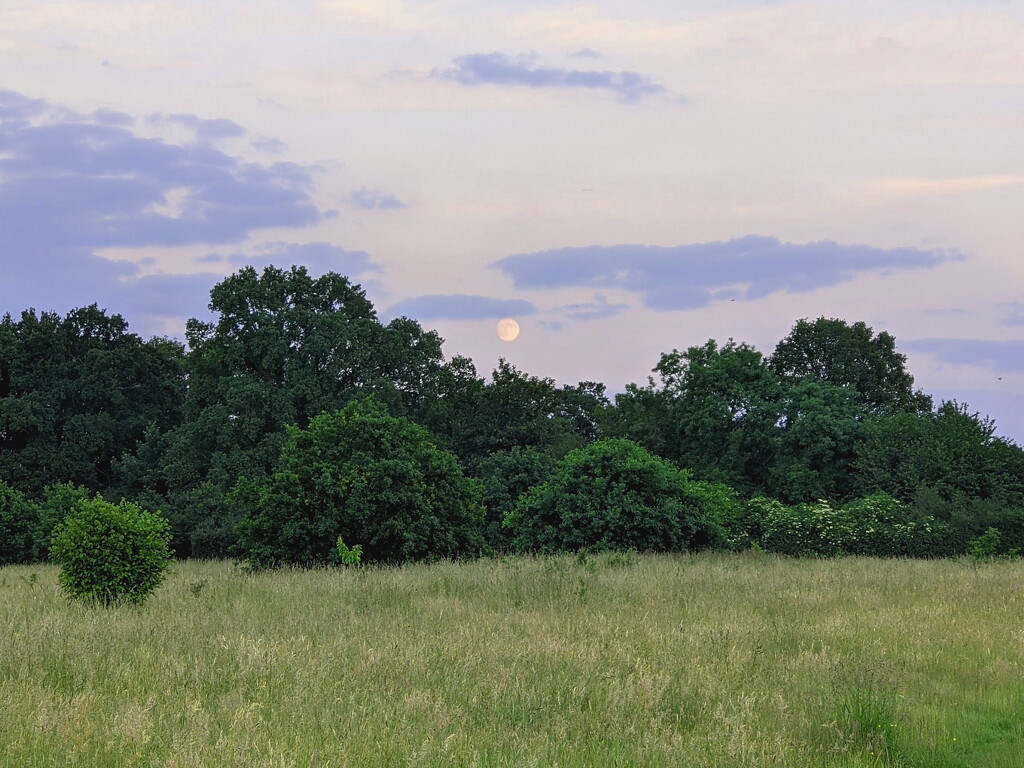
[(57, 502), (476, 418), (611, 495), (19, 527), (506, 476), (712, 410), (376, 480), (284, 347), (951, 454), (815, 443), (853, 356), (948, 464), (78, 392)]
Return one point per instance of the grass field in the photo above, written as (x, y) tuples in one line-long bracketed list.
[(615, 660)]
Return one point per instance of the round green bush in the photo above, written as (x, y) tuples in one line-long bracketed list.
[(376, 480), (111, 553), (612, 495)]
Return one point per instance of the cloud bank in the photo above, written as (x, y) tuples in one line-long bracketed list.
[(72, 185), (692, 276), (500, 69)]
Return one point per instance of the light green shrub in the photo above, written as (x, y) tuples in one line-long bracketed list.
[(875, 526), (111, 553)]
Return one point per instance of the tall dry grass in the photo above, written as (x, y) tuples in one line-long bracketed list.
[(612, 660)]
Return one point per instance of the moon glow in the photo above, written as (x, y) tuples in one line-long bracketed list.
[(508, 329)]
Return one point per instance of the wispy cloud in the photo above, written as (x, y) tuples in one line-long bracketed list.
[(369, 199), (500, 69), (689, 276), (205, 130), (598, 309), (461, 307), (896, 188), (270, 146)]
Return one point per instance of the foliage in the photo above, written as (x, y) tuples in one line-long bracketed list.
[(111, 553), (952, 452), (877, 526), (365, 475), (814, 443), (832, 414), (711, 411), (610, 495), (283, 348), (205, 521), (476, 418), (985, 547), (348, 555), (884, 527), (19, 521), (506, 476), (850, 355), (58, 500), (77, 392)]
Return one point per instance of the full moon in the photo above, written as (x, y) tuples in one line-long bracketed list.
[(508, 329)]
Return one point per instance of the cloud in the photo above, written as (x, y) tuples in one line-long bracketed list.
[(205, 130), (16, 106), (270, 146), (998, 356), (71, 185), (500, 69), (369, 199), (80, 184), (111, 117), (593, 310), (460, 307), (690, 276), (586, 53)]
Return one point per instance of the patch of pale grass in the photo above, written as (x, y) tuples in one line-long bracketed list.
[(709, 660)]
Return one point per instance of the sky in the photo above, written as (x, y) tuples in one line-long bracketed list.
[(623, 179)]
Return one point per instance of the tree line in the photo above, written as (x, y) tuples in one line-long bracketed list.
[(296, 416)]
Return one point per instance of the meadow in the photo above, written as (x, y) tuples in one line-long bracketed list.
[(707, 660)]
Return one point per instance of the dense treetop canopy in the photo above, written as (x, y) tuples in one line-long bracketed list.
[(246, 421)]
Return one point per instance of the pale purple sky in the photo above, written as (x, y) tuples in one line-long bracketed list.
[(622, 178)]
